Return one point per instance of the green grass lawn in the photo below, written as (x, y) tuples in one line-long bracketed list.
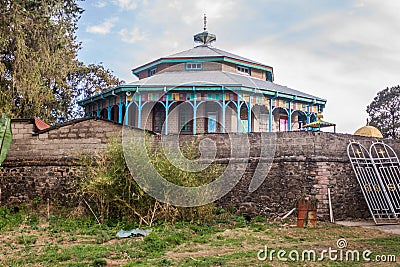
[(29, 240)]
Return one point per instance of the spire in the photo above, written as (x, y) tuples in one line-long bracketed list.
[(205, 38), (205, 22)]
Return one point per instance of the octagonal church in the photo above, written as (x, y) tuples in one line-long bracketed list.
[(205, 90)]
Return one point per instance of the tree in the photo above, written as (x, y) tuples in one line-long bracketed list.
[(38, 48), (89, 80), (384, 112), (39, 72)]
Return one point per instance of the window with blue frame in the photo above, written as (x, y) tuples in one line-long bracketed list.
[(212, 125), (244, 70), (193, 66), (152, 71)]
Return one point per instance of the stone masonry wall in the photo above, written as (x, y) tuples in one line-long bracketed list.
[(43, 164), (304, 163)]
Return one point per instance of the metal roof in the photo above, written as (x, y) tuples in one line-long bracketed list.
[(203, 52), (208, 51), (201, 78)]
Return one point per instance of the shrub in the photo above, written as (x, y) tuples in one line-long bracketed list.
[(110, 192)]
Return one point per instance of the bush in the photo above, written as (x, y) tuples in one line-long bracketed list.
[(110, 192)]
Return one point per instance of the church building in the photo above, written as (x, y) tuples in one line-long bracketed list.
[(205, 90)]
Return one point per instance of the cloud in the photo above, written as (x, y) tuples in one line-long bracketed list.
[(359, 4), (100, 4), (215, 9), (131, 36), (126, 4), (103, 28)]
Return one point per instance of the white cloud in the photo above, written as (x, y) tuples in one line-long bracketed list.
[(103, 28), (100, 4), (126, 4), (359, 4), (132, 36), (215, 9)]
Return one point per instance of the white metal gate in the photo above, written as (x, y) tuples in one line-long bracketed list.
[(378, 174)]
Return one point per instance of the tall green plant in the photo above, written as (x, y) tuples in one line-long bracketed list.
[(5, 136), (110, 191)]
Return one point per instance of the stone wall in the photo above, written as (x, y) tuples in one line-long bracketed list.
[(43, 164), (304, 163), (57, 144)]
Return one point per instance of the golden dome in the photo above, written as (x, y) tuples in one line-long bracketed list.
[(369, 131)]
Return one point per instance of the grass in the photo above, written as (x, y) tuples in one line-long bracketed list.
[(27, 239)]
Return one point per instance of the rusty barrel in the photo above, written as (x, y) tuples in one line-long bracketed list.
[(306, 213), (302, 209)]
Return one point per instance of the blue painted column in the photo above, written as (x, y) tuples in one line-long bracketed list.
[(166, 113), (109, 113), (109, 110), (290, 117), (223, 110), (140, 111), (120, 107), (239, 123), (308, 114), (194, 111), (98, 111), (249, 115), (127, 111)]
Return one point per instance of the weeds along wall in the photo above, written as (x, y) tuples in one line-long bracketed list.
[(45, 165)]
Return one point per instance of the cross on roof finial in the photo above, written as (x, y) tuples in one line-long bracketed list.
[(205, 37)]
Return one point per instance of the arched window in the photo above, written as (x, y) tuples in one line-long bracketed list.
[(104, 113), (158, 117), (115, 113), (185, 118)]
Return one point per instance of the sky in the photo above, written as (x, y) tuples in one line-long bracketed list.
[(342, 51)]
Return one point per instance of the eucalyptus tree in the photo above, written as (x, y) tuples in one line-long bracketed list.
[(38, 50), (39, 70)]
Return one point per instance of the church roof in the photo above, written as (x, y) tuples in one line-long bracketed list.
[(202, 51), (370, 131), (219, 78)]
